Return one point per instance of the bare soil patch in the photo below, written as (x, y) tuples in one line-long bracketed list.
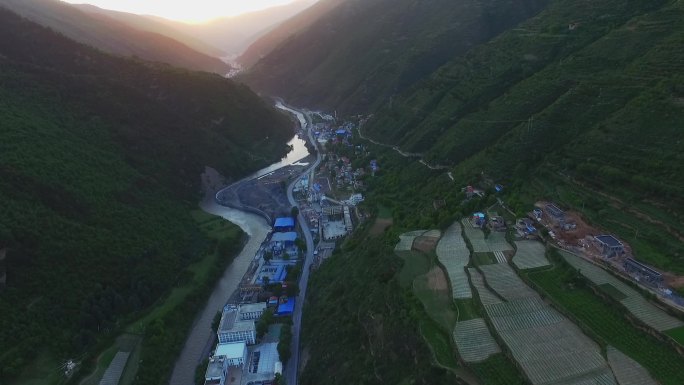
[(437, 280), (425, 244), (380, 225)]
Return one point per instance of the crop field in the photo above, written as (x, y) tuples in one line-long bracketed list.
[(633, 301), (487, 297), (480, 259), (415, 264), (432, 290), (530, 255), (626, 370), (496, 241), (474, 341), (406, 240), (549, 348), (609, 324), (498, 370), (454, 255), (505, 282), (476, 237)]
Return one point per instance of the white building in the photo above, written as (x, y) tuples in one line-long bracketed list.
[(217, 371), (251, 311), (233, 329), (235, 354)]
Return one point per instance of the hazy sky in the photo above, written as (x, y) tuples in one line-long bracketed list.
[(185, 10)]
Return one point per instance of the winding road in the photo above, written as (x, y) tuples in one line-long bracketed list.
[(292, 367)]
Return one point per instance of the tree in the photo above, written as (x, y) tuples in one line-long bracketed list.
[(268, 256), (265, 280), (294, 212)]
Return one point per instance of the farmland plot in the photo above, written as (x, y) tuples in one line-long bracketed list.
[(505, 282), (494, 243), (530, 255), (549, 348), (406, 240), (454, 255), (627, 371), (473, 340), (635, 303), (487, 297)]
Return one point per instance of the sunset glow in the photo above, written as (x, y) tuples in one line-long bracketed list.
[(195, 11)]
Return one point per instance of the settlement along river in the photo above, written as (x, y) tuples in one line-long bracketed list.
[(199, 341)]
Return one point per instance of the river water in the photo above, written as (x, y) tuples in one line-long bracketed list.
[(199, 339)]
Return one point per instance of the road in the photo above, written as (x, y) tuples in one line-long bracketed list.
[(291, 369)]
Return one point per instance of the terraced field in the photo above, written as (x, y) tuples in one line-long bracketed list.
[(474, 341), (633, 300), (454, 255), (626, 370), (505, 282), (549, 348), (530, 255), (406, 240), (487, 297), (495, 242)]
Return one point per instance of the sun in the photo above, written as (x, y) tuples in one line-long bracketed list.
[(195, 11)]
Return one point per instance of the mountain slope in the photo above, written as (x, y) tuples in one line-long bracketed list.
[(361, 52), (267, 43), (583, 114), (234, 34), (113, 36), (100, 158), (152, 24)]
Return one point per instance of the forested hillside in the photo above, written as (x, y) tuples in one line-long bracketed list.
[(360, 53), (100, 159), (585, 97), (114, 36)]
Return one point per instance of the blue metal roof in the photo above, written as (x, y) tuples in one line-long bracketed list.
[(284, 222), (284, 237), (286, 308)]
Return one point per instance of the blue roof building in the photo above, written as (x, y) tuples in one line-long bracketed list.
[(287, 308), (284, 224)]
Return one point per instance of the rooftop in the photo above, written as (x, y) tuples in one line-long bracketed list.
[(261, 363), (230, 323), (284, 237), (284, 222), (286, 308), (554, 210), (214, 369), (231, 350), (609, 240), (252, 307)]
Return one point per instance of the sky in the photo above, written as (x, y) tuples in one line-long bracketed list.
[(192, 11)]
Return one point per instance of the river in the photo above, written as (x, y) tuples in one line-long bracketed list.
[(200, 337)]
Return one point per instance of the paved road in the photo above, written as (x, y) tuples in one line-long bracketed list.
[(292, 366)]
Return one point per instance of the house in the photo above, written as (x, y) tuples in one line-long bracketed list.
[(251, 311), (555, 213), (284, 224), (643, 271), (478, 219), (525, 226), (282, 242), (217, 371), (609, 245), (235, 353), (286, 307), (233, 329)]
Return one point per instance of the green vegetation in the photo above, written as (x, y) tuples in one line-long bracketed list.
[(498, 370), (118, 38), (284, 343), (484, 259), (369, 312), (355, 70), (100, 160), (612, 291), (608, 322), (677, 335)]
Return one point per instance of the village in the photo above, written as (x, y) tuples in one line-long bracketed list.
[(254, 330)]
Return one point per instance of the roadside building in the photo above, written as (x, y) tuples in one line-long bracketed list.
[(233, 329), (642, 271), (262, 364), (284, 243), (235, 354), (609, 245), (217, 371), (251, 311), (286, 307), (478, 219), (284, 224), (555, 213)]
